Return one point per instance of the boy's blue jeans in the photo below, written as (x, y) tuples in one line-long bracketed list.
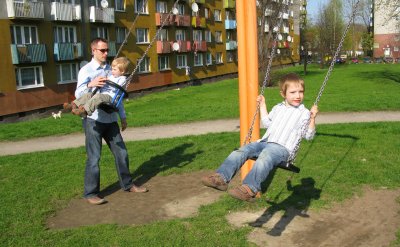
[(95, 132), (268, 156)]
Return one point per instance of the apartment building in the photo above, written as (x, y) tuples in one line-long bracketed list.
[(386, 30), (45, 42)]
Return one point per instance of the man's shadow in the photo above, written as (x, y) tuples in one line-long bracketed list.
[(301, 196), (175, 157)]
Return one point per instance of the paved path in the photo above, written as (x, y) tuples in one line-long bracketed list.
[(176, 130)]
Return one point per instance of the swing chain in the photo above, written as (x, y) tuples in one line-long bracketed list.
[(148, 47), (292, 156), (266, 77)]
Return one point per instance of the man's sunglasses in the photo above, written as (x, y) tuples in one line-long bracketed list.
[(103, 50)]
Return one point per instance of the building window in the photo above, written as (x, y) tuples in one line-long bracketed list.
[(229, 15), (180, 35), (29, 77), (181, 61), (217, 15), (197, 35), (24, 35), (141, 6), (64, 34), (207, 13), (142, 35), (163, 63), (198, 59), (218, 58), (230, 56), (218, 36), (144, 66), (181, 9), (67, 72), (207, 35), (99, 32), (162, 7), (120, 33), (162, 35), (208, 58), (120, 5)]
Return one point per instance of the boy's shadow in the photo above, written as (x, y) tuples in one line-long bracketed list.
[(175, 157), (301, 196)]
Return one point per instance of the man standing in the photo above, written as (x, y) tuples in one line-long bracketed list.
[(102, 125)]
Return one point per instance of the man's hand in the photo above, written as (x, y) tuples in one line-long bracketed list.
[(97, 82), (124, 124)]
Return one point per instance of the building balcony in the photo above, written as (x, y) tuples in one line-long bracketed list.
[(67, 51), (230, 24), (163, 47), (231, 45), (199, 46), (229, 4), (112, 50), (65, 12), (165, 18), (184, 46), (198, 21), (25, 9), (28, 53), (101, 15), (182, 20)]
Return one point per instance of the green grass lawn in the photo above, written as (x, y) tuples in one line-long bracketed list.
[(355, 87), (341, 159)]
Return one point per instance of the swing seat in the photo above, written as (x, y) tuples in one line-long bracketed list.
[(286, 166), (116, 100)]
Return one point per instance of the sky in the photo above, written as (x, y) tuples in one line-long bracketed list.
[(313, 7)]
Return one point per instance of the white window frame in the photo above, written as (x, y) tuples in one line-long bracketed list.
[(181, 8), (161, 7), (142, 35), (120, 34), (197, 35), (38, 75), (198, 59), (230, 56), (101, 32), (218, 37), (181, 61), (144, 66), (206, 13), (120, 5), (74, 69), (217, 15), (207, 36), (140, 7), (65, 33), (33, 37), (163, 60), (180, 34), (209, 58), (163, 35), (219, 58)]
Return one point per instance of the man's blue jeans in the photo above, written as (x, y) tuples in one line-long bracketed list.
[(95, 132), (268, 156)]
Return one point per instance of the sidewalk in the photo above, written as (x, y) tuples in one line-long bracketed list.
[(176, 130)]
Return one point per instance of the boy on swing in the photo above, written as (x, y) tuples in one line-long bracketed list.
[(287, 123), (87, 104)]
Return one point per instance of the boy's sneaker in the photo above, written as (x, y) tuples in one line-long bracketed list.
[(243, 192), (215, 181)]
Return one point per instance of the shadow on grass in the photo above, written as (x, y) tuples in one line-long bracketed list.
[(175, 157), (389, 75), (298, 202)]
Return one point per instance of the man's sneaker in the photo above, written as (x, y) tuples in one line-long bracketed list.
[(215, 181), (243, 192)]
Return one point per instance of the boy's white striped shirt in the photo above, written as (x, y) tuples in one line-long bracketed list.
[(286, 125)]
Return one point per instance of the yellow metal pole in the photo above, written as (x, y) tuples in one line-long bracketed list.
[(248, 51)]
